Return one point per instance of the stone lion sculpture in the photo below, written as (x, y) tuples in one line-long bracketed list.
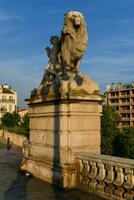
[(74, 39)]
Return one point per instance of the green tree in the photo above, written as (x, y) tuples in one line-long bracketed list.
[(123, 144), (7, 120), (25, 123), (109, 128), (16, 119), (10, 120)]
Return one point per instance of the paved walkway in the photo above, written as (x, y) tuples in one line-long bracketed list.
[(15, 186)]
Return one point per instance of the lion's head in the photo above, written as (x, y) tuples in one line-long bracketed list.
[(74, 18)]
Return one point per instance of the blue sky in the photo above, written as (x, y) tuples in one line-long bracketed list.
[(26, 26)]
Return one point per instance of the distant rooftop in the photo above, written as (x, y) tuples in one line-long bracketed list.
[(6, 89), (119, 86)]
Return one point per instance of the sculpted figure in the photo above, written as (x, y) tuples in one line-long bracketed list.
[(74, 39), (53, 53)]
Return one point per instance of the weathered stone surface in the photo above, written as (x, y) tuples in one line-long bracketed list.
[(65, 109)]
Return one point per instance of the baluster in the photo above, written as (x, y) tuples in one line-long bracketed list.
[(80, 171), (119, 182), (109, 180), (100, 178), (129, 184), (87, 170), (84, 172), (92, 175)]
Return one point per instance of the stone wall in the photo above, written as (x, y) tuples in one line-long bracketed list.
[(14, 138), (109, 176)]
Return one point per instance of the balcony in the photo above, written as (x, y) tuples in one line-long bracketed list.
[(124, 111), (125, 118), (125, 96), (113, 104), (124, 103), (113, 97), (7, 100)]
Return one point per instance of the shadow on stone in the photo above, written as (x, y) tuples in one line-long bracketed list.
[(18, 188), (65, 194), (57, 169), (78, 79)]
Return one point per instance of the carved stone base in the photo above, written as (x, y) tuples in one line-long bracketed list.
[(64, 176), (92, 185), (109, 191), (129, 196), (100, 187), (118, 193)]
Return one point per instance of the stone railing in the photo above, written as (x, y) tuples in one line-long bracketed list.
[(109, 176)]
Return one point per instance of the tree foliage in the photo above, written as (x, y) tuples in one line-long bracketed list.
[(115, 141), (16, 119), (7, 120), (10, 119), (25, 123), (109, 127), (123, 144), (14, 123)]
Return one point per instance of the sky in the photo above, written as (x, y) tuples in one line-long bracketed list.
[(27, 25)]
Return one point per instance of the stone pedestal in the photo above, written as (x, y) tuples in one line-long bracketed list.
[(64, 110), (60, 127)]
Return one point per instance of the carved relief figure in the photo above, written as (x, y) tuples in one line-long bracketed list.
[(74, 39)]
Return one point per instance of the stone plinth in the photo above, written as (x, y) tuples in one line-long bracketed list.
[(58, 129)]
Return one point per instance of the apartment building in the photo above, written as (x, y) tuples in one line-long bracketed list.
[(122, 98), (8, 99)]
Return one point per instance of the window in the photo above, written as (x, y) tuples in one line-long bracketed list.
[(11, 98), (3, 109), (3, 98)]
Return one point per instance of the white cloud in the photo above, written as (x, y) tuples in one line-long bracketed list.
[(4, 17), (7, 16)]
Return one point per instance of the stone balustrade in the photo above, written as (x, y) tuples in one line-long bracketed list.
[(112, 177)]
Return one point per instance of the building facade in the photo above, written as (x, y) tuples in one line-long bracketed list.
[(122, 98), (8, 100), (22, 112)]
